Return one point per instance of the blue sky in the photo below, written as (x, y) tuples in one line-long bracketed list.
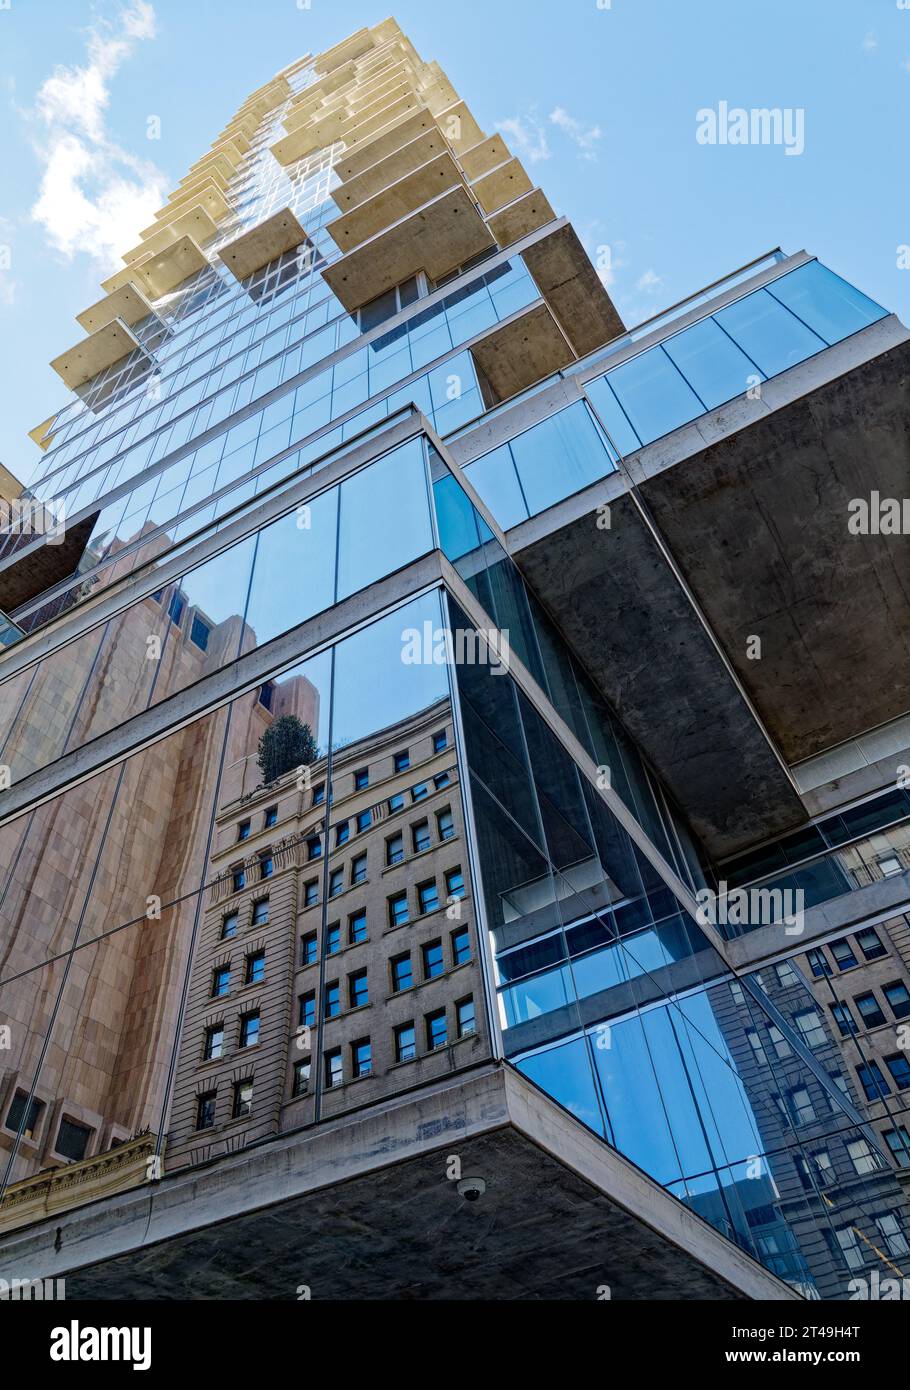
[(600, 103)]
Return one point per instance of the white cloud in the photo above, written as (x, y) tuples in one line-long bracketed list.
[(650, 282), (95, 197), (527, 137), (905, 65), (585, 137), (869, 43)]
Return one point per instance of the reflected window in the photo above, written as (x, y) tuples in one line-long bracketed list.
[(260, 912), (243, 1099), (362, 1057), (358, 989), (892, 1233), (229, 926), (872, 1081), (249, 1028), (862, 1156), (214, 1042), (843, 954), (221, 981), (437, 1031), (461, 946), (18, 1109), (255, 967), (869, 1009), (405, 1044), (428, 896), (334, 1072), (359, 869), (899, 1067), (72, 1140), (898, 998), (898, 1141), (205, 1110), (309, 949), (402, 973), (870, 944), (306, 1011), (844, 1019), (301, 1077), (398, 910)]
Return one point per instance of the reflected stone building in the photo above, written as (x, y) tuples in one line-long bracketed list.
[(374, 703)]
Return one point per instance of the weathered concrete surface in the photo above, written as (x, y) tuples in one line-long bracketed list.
[(364, 1209), (758, 525), (628, 618)]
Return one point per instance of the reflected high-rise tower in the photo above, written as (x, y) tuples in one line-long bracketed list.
[(375, 705)]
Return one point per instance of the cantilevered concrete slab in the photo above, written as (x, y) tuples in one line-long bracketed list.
[(127, 304), (522, 351), (489, 154), (163, 273), (757, 522), (363, 1209), (309, 138), (256, 248), (397, 201), (439, 238), (95, 354), (207, 193), (521, 218), (572, 288), (501, 185), (195, 222), (40, 436), (370, 152), (45, 566), (388, 171)]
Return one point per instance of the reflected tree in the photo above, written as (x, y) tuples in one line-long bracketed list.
[(286, 744)]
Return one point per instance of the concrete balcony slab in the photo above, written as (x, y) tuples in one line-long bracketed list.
[(521, 218), (195, 222), (40, 436), (351, 48), (437, 239), (161, 274), (95, 354), (256, 248), (396, 201), (127, 304), (356, 159), (572, 288), (404, 106), (501, 186), (388, 171), (459, 127), (489, 154), (210, 198), (522, 351)]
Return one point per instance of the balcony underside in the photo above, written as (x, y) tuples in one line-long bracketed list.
[(195, 222), (572, 288), (501, 185), (44, 567), (562, 1214), (521, 218), (521, 352), (95, 354), (126, 304), (162, 274), (356, 160), (396, 202), (263, 244), (440, 237), (410, 157)]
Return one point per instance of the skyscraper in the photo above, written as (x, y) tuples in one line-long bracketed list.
[(401, 656)]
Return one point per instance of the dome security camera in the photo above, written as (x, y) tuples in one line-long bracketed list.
[(472, 1188)]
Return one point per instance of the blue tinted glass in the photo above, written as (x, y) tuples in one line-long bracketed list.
[(565, 1073), (712, 363), (384, 518), (769, 333), (560, 456), (825, 302), (494, 479), (294, 572), (654, 395), (611, 415)]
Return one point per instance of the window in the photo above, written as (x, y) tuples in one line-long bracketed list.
[(205, 1109), (396, 803), (862, 1156), (757, 1046), (361, 779), (810, 1027), (402, 761), (405, 1045), (402, 975), (394, 849), (455, 883), (358, 869), (845, 1242), (301, 1077), (398, 910), (72, 1140), (266, 865), (440, 741), (362, 1057), (420, 791), (176, 609), (334, 1074), (890, 864), (313, 847), (818, 963), (267, 694), (782, 1048), (872, 1081), (311, 893), (243, 830), (332, 938), (229, 925), (332, 1000), (442, 779), (799, 1106), (17, 1110), (818, 1169), (261, 913), (238, 879), (336, 882), (306, 1015), (898, 1141), (891, 1232), (249, 1028), (467, 1022), (309, 949), (461, 946), (358, 989), (214, 1042), (786, 975), (420, 836), (270, 818), (243, 1099), (868, 942), (898, 998), (255, 967), (869, 1009), (899, 1067), (433, 963), (843, 955), (427, 896), (357, 927), (199, 633), (844, 1020), (221, 980), (444, 826), (364, 821), (319, 794), (437, 1033), (342, 833)]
